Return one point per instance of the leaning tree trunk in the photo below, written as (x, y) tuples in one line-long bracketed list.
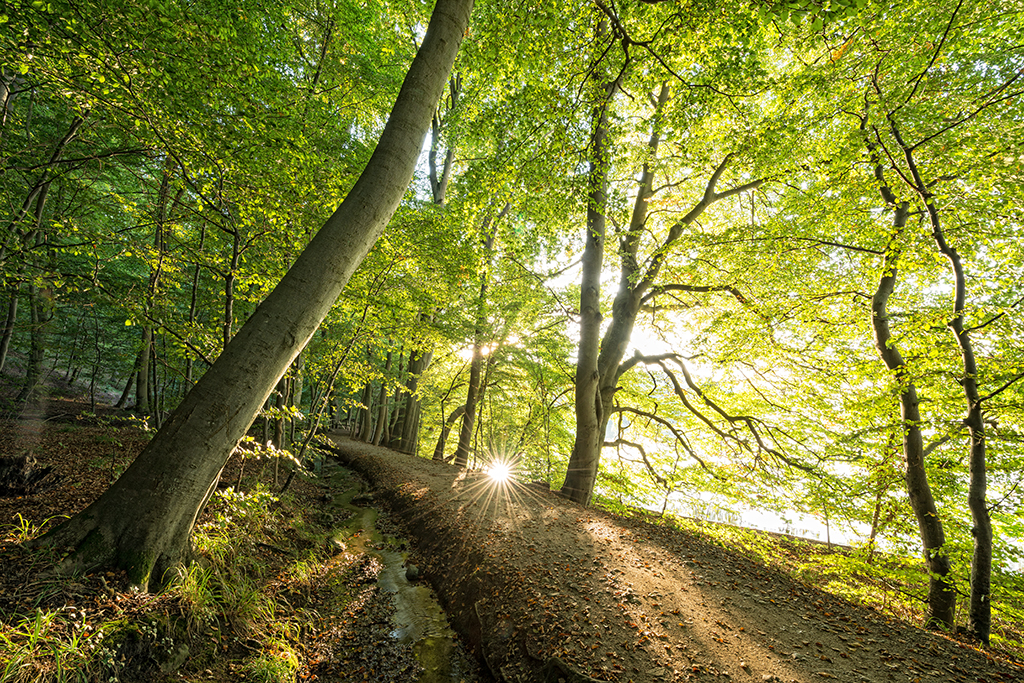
[(143, 521), (446, 429)]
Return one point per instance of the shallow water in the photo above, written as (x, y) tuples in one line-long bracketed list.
[(418, 620)]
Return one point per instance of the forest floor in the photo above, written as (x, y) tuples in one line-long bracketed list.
[(549, 590), (541, 589)]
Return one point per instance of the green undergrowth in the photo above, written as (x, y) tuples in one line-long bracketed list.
[(892, 584), (235, 613)]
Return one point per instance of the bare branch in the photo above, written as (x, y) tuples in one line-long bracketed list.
[(699, 289), (680, 439), (938, 51), (1003, 388)]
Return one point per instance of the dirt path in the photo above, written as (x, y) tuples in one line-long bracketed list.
[(546, 590)]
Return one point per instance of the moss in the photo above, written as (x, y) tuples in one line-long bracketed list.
[(139, 565)]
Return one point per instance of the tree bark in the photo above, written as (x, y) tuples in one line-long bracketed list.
[(9, 323), (37, 337), (979, 622), (941, 596), (192, 308), (405, 434), (142, 407), (366, 413), (446, 429), (476, 390), (379, 432), (637, 280), (581, 472), (142, 523), (123, 400)]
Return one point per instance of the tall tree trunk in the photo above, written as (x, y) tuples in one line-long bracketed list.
[(601, 357), (979, 621), (394, 436), (143, 521), (941, 596), (581, 472), (404, 436), (229, 287), (142, 392), (382, 409), (37, 307), (37, 344), (9, 323), (365, 413), (475, 391), (192, 308)]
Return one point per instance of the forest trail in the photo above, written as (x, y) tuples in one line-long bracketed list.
[(546, 590)]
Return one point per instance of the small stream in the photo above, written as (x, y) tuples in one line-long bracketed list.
[(418, 619)]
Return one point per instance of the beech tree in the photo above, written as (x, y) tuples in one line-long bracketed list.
[(142, 522), (604, 340)]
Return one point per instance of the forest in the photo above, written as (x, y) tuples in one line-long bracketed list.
[(720, 259)]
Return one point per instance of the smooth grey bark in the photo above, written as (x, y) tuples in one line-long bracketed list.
[(600, 359), (143, 521), (581, 471), (380, 431)]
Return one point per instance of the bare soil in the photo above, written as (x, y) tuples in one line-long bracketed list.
[(541, 589), (546, 590)]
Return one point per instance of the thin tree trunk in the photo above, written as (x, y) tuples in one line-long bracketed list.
[(979, 622), (446, 429), (142, 407), (941, 596), (34, 369), (121, 402), (475, 390), (365, 413), (229, 287), (382, 409), (192, 309), (143, 521), (394, 436), (9, 323)]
